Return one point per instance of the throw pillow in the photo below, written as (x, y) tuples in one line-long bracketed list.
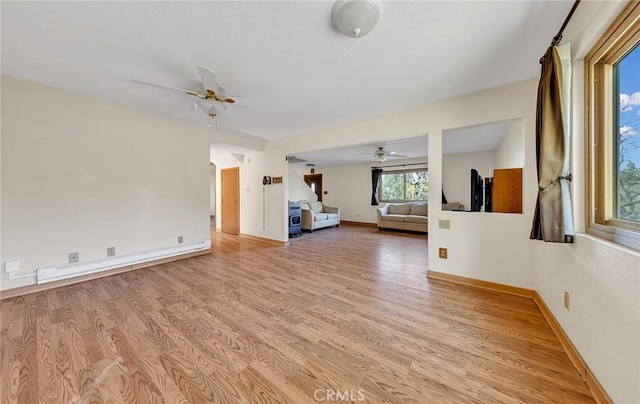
[(316, 207), (402, 209), (419, 209)]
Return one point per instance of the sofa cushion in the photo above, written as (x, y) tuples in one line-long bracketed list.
[(452, 206), (401, 209), (419, 209), (415, 219), (320, 216), (316, 206), (393, 218), (331, 216)]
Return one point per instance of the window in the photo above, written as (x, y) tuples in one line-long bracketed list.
[(403, 186), (613, 122), (626, 75)]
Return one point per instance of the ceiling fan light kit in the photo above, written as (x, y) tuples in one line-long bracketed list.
[(356, 18), (212, 97), (381, 154)]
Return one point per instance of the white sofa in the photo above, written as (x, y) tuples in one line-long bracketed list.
[(411, 216), (315, 215)]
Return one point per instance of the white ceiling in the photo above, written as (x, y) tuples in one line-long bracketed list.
[(296, 72), (459, 140), (476, 138), (412, 147)]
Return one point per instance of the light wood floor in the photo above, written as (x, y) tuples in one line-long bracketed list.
[(347, 310)]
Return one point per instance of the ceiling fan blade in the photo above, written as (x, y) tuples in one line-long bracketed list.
[(394, 154), (209, 79), (168, 87), (294, 159)]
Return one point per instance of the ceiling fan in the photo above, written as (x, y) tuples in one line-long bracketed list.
[(212, 96), (293, 159), (381, 154)]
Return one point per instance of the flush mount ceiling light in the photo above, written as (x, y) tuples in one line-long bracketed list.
[(356, 18)]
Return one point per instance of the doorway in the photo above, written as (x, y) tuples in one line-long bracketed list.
[(230, 200), (314, 181)]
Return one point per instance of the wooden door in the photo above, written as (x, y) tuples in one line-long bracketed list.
[(507, 190), (315, 183), (230, 198)]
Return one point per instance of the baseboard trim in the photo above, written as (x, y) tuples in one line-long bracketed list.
[(594, 385), (269, 241), (352, 223), (571, 350), (598, 392), (25, 290), (479, 284)]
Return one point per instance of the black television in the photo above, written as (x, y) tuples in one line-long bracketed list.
[(477, 194)]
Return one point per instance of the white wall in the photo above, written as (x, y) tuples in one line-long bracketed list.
[(298, 189), (1, 254), (212, 190), (603, 280), (456, 174), (81, 175), (510, 152)]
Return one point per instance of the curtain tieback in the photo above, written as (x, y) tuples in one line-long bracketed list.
[(568, 177)]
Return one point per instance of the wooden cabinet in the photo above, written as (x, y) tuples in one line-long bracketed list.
[(507, 190)]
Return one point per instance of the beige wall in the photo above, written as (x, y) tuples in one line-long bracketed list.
[(456, 174), (212, 190), (298, 189), (81, 175), (510, 152)]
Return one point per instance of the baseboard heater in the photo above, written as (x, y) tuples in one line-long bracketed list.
[(65, 271)]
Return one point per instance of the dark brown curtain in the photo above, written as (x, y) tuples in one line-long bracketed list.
[(376, 173), (549, 217)]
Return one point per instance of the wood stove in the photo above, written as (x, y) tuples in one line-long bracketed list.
[(295, 219)]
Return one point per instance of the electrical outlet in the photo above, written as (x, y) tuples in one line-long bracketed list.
[(444, 224), (180, 239), (74, 257), (567, 302), (11, 266), (111, 251), (442, 253)]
